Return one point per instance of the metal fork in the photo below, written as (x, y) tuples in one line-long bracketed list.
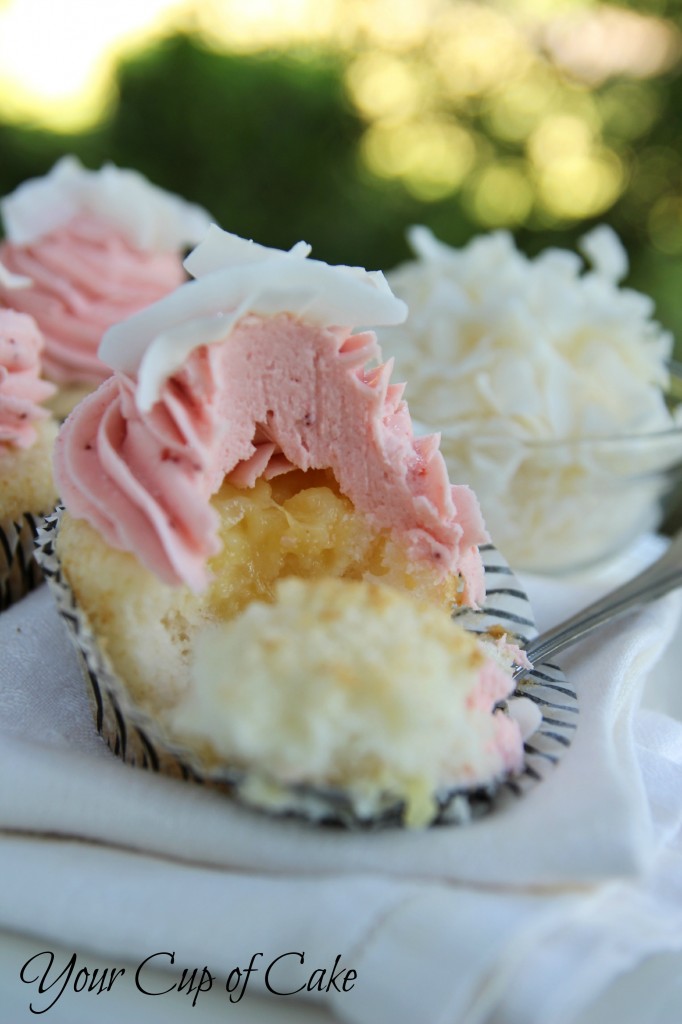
[(664, 575)]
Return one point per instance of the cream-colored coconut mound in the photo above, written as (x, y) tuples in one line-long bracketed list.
[(350, 685), (26, 483)]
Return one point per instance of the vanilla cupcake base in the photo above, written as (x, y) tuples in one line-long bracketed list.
[(127, 729), (27, 493)]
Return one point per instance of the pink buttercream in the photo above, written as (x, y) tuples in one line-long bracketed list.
[(278, 392), (85, 277), (494, 686), (21, 389)]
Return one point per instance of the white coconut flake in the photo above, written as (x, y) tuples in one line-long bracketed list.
[(220, 249), (604, 250), (533, 342), (150, 218), (234, 277), (12, 281)]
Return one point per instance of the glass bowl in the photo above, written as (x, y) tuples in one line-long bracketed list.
[(559, 506)]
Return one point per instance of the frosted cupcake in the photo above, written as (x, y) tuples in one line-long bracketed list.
[(97, 246), (245, 481), (27, 435)]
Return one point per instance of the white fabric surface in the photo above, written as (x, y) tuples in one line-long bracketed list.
[(522, 917)]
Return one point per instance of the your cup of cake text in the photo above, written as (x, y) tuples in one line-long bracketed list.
[(160, 974)]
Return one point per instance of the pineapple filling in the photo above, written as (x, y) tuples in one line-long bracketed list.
[(299, 524)]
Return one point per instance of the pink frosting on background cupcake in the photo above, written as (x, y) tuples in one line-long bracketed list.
[(21, 389), (96, 246), (85, 277)]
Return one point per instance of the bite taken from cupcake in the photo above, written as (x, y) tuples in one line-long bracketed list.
[(263, 557), (94, 247), (27, 434)]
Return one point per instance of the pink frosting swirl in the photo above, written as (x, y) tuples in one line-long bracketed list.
[(277, 393), (21, 389), (85, 277)]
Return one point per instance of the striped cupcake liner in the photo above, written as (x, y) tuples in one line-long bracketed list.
[(507, 606), (129, 732), (138, 740), (19, 571)]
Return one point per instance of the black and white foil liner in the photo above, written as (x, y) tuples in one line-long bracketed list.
[(19, 571), (138, 740)]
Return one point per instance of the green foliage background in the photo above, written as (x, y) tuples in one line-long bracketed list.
[(270, 145)]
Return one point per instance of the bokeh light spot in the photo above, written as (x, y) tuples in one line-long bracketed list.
[(580, 185), (476, 47), (431, 157), (382, 85), (608, 41), (501, 195), (557, 137), (62, 77), (513, 109)]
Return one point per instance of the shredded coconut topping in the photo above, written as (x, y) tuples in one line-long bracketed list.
[(532, 369), (540, 349)]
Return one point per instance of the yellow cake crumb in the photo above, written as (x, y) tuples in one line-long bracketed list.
[(299, 524)]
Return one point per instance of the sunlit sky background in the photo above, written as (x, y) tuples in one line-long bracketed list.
[(413, 68)]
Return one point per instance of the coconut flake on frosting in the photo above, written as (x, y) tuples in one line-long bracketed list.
[(8, 280), (150, 218), (251, 369), (235, 277)]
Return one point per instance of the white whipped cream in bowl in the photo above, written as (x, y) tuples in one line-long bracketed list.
[(552, 387)]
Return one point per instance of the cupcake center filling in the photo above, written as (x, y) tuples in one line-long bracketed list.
[(300, 524)]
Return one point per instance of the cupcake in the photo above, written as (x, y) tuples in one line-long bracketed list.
[(247, 479), (27, 435), (97, 246)]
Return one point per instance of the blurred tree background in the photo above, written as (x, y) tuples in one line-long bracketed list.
[(345, 121)]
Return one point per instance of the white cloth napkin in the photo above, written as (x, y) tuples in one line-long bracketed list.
[(521, 917)]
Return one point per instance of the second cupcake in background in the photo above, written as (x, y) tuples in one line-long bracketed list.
[(95, 246), (27, 433)]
